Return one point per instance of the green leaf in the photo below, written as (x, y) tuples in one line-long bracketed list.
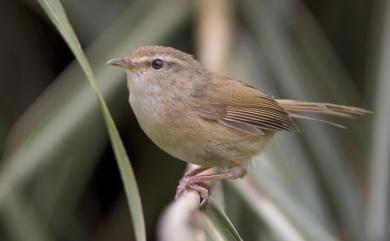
[(57, 14), (377, 218), (284, 192), (283, 214), (295, 79), (22, 222), (62, 133), (219, 224)]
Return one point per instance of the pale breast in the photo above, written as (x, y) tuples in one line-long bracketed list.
[(172, 125), (195, 140), (150, 112)]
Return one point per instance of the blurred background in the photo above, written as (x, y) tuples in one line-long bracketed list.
[(58, 176)]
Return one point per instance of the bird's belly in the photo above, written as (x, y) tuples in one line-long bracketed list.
[(198, 141), (213, 144), (185, 135)]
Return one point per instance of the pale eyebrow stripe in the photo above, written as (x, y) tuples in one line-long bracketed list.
[(163, 57)]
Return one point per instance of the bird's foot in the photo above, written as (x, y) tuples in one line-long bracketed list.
[(192, 181), (187, 183)]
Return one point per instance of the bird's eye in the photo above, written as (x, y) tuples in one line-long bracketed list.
[(157, 64)]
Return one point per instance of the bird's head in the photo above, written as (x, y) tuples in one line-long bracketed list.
[(156, 62)]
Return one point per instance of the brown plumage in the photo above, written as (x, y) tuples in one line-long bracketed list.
[(247, 110), (207, 119)]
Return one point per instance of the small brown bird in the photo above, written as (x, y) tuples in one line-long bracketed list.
[(207, 119)]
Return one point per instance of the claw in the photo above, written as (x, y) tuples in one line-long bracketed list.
[(192, 181), (203, 202), (187, 183), (204, 192), (204, 197), (183, 186)]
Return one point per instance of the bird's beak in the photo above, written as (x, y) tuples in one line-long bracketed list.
[(120, 62)]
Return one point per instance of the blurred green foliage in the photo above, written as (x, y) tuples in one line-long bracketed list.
[(58, 177)]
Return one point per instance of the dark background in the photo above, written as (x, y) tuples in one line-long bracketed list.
[(33, 55)]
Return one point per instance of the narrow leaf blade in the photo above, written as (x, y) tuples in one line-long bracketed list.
[(57, 14), (220, 223)]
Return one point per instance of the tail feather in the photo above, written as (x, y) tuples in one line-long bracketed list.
[(319, 120), (293, 106)]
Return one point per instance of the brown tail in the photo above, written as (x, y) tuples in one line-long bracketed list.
[(293, 106)]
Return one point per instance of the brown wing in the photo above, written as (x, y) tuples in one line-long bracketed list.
[(243, 107)]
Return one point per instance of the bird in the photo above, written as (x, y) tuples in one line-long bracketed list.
[(208, 119)]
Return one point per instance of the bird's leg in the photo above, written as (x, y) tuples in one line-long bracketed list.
[(195, 171), (192, 181), (184, 183)]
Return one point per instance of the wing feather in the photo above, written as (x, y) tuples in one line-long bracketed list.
[(243, 107), (263, 119)]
